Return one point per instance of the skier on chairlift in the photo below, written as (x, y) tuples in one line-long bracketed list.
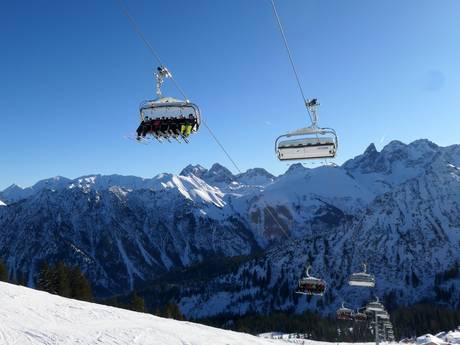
[(140, 130), (143, 129)]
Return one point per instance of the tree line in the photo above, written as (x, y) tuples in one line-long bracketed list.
[(66, 281), (415, 320)]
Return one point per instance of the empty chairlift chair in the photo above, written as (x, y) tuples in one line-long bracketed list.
[(310, 142), (309, 285), (375, 306), (383, 315), (363, 279)]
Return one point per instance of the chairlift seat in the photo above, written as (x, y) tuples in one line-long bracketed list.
[(306, 148), (375, 306), (311, 286), (344, 314), (169, 107), (362, 279), (360, 317)]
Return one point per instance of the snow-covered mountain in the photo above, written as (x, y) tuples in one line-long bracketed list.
[(397, 209)]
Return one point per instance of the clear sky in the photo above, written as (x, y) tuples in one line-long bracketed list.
[(72, 74)]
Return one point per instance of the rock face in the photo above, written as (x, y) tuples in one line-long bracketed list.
[(397, 209)]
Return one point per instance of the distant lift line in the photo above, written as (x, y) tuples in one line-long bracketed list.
[(312, 142)]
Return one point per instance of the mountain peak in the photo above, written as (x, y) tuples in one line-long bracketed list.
[(255, 176), (218, 173), (294, 168), (218, 167), (11, 188), (370, 149), (394, 145), (257, 171), (424, 144), (191, 169), (14, 193)]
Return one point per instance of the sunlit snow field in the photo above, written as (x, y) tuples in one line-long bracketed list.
[(34, 317)]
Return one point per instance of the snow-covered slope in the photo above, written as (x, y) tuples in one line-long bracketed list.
[(38, 318)]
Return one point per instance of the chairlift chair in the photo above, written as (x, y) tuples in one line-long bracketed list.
[(363, 278), (388, 325), (344, 313), (383, 315), (311, 142), (360, 316), (375, 306), (309, 285), (168, 107)]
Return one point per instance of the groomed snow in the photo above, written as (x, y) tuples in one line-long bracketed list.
[(33, 317)]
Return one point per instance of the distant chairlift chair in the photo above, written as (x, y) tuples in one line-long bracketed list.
[(309, 142)]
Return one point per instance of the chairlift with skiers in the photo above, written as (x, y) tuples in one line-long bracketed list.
[(344, 313), (360, 316), (166, 118), (309, 285)]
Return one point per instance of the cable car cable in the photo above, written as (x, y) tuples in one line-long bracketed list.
[(280, 26), (148, 44), (157, 57)]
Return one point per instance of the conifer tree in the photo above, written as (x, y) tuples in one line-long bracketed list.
[(172, 311), (3, 272), (45, 281), (80, 287), (61, 280), (138, 303), (64, 281)]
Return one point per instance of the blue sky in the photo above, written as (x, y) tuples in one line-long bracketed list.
[(74, 72)]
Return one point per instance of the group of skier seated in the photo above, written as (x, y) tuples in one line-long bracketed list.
[(311, 288), (360, 317), (165, 127)]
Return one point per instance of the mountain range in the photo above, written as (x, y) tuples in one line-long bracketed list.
[(396, 209)]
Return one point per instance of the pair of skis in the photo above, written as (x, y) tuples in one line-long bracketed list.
[(146, 141)]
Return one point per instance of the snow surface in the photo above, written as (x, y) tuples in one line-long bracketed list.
[(34, 317), (452, 337), (429, 339)]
